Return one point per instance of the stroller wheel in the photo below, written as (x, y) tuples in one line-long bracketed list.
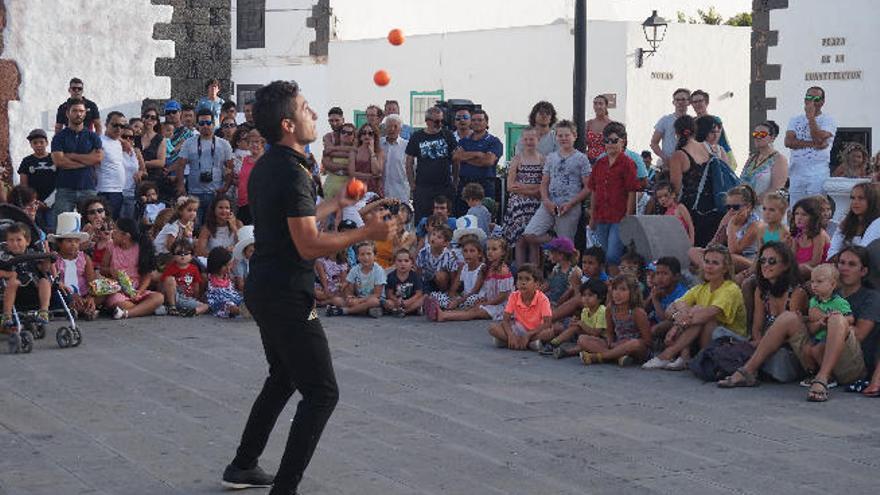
[(27, 342), (14, 343), (39, 331), (64, 337), (77, 336)]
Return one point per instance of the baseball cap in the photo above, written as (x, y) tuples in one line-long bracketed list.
[(172, 105), (37, 133)]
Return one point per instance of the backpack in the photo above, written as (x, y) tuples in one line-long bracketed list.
[(722, 178), (721, 358)]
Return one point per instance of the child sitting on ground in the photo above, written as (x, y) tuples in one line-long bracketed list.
[(497, 286), (628, 335), (633, 264), (665, 289), (824, 303), (773, 212), (403, 289), (224, 300), (241, 254), (809, 241), (31, 273), (130, 257), (564, 256), (465, 291), (182, 283), (527, 316), (331, 273), (182, 225), (473, 194), (664, 195), (592, 321), (436, 262), (75, 272), (366, 284), (592, 266)]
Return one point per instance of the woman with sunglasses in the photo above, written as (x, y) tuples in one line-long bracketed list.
[(846, 349), (339, 162), (153, 146), (96, 223), (370, 158), (712, 309), (766, 169), (861, 226), (738, 230)]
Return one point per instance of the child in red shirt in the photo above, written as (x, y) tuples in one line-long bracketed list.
[(527, 317), (182, 282), (612, 180)]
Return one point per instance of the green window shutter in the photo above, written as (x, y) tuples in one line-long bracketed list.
[(360, 118), (419, 103), (512, 131)]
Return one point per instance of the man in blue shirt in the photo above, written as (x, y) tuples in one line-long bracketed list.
[(76, 152), (478, 156)]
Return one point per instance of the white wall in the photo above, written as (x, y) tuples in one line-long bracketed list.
[(106, 43), (715, 59), (358, 19), (287, 37), (853, 103), (508, 70)]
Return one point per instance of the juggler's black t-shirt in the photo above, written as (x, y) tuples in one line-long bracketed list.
[(280, 187)]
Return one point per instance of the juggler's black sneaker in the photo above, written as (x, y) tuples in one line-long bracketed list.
[(237, 478)]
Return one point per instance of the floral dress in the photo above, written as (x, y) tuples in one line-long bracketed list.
[(520, 208), (334, 273)]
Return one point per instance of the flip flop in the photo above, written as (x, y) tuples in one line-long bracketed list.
[(818, 395), (748, 380)]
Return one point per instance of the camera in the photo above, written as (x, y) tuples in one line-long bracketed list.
[(206, 176)]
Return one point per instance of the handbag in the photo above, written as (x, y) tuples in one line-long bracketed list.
[(723, 179)]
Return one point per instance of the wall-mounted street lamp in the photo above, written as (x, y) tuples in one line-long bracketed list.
[(654, 28)]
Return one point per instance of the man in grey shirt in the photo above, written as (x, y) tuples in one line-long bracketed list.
[(665, 128)]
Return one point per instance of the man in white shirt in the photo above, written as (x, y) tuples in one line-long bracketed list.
[(663, 142), (394, 147), (809, 137), (111, 171)]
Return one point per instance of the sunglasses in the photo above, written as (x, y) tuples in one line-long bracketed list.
[(609, 140), (151, 117), (434, 121), (228, 126), (205, 123), (367, 133), (128, 136), (760, 134), (95, 211), (170, 112), (734, 207), (767, 261), (119, 126), (347, 133), (812, 98), (462, 117), (182, 253), (76, 89)]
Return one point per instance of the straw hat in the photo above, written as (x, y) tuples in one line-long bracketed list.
[(245, 239)]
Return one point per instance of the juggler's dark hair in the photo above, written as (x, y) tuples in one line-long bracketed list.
[(274, 103)]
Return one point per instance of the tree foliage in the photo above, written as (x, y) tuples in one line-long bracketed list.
[(712, 17)]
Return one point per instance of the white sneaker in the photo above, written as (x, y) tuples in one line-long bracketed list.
[(120, 313), (535, 345), (655, 363), (161, 310), (678, 365)]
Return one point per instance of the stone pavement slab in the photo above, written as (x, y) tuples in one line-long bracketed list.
[(156, 406)]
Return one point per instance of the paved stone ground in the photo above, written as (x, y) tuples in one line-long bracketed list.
[(155, 406)]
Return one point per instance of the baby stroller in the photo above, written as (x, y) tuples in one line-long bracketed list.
[(24, 312)]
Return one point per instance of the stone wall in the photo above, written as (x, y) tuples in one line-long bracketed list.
[(9, 80), (762, 38), (201, 31)]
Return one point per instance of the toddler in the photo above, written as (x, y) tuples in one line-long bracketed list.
[(436, 261), (331, 273), (75, 272), (403, 290), (527, 316), (473, 194), (366, 286), (592, 321), (224, 300), (182, 283), (27, 274), (824, 303), (149, 205)]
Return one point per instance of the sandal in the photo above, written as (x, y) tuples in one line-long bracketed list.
[(820, 395), (589, 358), (858, 386), (748, 380), (43, 317), (872, 391)]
